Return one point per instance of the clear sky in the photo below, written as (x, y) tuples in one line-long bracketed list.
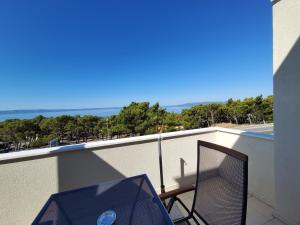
[(99, 53)]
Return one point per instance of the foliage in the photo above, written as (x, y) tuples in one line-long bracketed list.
[(138, 118)]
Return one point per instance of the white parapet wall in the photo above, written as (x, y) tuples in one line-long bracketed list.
[(260, 150), (28, 178)]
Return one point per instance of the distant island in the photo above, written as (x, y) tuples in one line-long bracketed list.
[(20, 111), (189, 105)]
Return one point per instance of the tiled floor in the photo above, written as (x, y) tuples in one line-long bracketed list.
[(258, 213)]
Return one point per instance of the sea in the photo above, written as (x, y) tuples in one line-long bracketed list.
[(103, 112)]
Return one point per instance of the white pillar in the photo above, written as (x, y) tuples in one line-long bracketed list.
[(286, 70)]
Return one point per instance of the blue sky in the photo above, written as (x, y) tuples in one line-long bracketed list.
[(100, 53)]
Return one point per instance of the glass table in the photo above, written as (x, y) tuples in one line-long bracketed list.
[(134, 201)]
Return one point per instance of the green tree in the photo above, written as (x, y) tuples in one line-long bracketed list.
[(268, 109), (134, 117), (213, 110), (195, 117), (172, 122)]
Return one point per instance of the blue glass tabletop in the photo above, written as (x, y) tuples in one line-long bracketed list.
[(133, 200)]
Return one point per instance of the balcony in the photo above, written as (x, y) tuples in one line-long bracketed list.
[(30, 177)]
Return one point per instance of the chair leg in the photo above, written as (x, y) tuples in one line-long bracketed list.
[(170, 204), (184, 206), (186, 219), (196, 221), (191, 215)]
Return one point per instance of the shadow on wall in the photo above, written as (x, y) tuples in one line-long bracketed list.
[(78, 169), (287, 120), (291, 62), (287, 75), (286, 94), (226, 168)]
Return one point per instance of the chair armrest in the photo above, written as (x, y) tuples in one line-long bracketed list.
[(176, 192)]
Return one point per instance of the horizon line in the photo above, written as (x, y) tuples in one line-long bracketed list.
[(95, 108)]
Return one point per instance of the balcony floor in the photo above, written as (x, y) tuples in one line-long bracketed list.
[(258, 213)]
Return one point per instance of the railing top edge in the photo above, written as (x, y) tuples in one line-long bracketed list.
[(73, 147), (187, 132), (99, 144), (269, 137), (124, 141)]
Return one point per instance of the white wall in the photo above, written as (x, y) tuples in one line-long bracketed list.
[(286, 61), (260, 151), (180, 159), (28, 178), (26, 185)]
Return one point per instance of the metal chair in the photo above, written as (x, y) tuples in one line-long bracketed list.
[(220, 191)]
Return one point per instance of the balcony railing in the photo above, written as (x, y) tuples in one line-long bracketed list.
[(28, 178)]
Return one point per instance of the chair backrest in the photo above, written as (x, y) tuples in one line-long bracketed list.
[(222, 185)]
